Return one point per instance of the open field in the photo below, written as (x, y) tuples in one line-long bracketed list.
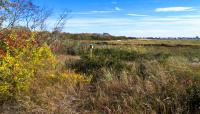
[(148, 42), (43, 75), (140, 76), (46, 68)]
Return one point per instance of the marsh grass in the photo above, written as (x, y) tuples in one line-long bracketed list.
[(121, 77), (152, 80)]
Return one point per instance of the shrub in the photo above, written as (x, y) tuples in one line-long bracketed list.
[(193, 96), (74, 78), (116, 54), (160, 57), (89, 65), (66, 47), (16, 71), (21, 62)]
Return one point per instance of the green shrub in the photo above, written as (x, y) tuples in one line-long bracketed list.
[(160, 56), (193, 96), (89, 65), (116, 54), (142, 71)]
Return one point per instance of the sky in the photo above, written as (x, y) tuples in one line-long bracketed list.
[(139, 18)]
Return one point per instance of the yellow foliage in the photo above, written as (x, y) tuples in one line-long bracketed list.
[(74, 78), (24, 62), (17, 71), (14, 75)]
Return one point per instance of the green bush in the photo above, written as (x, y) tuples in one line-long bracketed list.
[(159, 56), (116, 54), (89, 65), (193, 96)]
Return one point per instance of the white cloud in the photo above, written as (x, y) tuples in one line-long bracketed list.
[(82, 13), (114, 2), (136, 15), (168, 26), (94, 12), (100, 22), (174, 9), (102, 11), (146, 26), (97, 11), (118, 9)]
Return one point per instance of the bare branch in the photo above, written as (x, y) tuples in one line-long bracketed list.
[(63, 17)]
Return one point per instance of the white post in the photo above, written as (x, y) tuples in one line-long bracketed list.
[(91, 50)]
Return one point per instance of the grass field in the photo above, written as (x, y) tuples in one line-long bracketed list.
[(140, 76), (126, 76), (46, 69)]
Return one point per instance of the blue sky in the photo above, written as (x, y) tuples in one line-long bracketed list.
[(141, 18)]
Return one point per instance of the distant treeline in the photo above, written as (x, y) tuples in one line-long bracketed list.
[(173, 38), (94, 36), (106, 36)]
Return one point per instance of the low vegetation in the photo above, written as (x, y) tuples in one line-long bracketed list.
[(67, 76), (54, 72)]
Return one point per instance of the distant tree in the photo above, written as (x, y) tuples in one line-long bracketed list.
[(60, 23), (4, 8), (39, 18), (15, 13), (26, 13), (30, 13)]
